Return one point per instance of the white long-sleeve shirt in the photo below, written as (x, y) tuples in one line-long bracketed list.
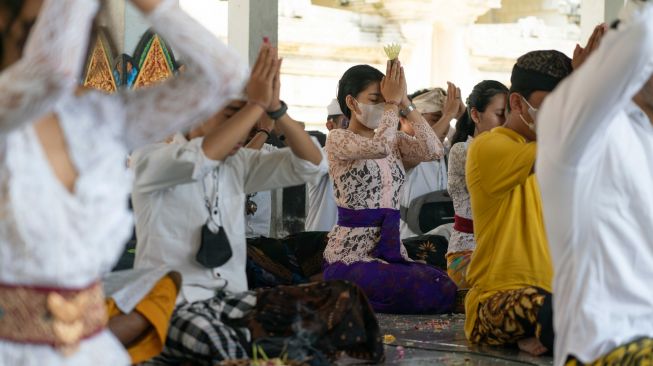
[(49, 236), (322, 211), (426, 177), (595, 169), (171, 182)]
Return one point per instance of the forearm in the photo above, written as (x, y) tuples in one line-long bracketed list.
[(129, 328), (298, 140), (221, 141), (442, 126), (146, 6), (424, 146), (257, 142)]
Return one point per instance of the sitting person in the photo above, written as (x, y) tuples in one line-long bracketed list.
[(510, 271), (595, 167), (428, 176), (139, 305), (485, 111), (366, 163), (188, 202), (322, 211)]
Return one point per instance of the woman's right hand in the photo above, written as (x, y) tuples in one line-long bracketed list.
[(393, 84), (260, 87)]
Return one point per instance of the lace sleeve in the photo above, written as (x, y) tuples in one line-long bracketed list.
[(51, 62), (346, 145), (457, 159), (424, 146), (214, 75)]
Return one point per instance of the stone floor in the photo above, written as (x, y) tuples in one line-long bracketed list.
[(440, 340)]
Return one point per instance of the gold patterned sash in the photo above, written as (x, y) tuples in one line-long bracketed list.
[(60, 318)]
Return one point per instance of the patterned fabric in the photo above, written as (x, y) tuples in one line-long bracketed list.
[(635, 353), (368, 173), (457, 267), (85, 231), (388, 246), (399, 288), (429, 249), (298, 258), (60, 318), (457, 188), (317, 320), (550, 63), (206, 332), (288, 261), (508, 316)]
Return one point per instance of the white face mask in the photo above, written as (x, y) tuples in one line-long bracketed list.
[(532, 111), (371, 114)]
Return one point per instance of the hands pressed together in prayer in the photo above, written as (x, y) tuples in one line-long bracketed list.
[(581, 54)]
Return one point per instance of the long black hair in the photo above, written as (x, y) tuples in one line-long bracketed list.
[(479, 99), (13, 8), (354, 81)]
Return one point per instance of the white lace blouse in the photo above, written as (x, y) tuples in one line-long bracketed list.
[(460, 195), (49, 236)]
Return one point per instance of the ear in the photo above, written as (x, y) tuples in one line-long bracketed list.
[(329, 125), (516, 105), (352, 104), (476, 117)]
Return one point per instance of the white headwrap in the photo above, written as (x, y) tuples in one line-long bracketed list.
[(334, 108), (431, 102)]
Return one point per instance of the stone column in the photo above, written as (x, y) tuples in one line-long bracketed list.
[(249, 22), (113, 18), (593, 12), (451, 60)]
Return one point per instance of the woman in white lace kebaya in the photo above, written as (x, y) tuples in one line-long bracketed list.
[(485, 110), (366, 163), (63, 177)]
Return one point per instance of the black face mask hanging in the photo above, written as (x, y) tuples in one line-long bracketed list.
[(215, 249)]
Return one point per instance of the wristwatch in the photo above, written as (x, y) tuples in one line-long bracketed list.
[(406, 111), (275, 115)]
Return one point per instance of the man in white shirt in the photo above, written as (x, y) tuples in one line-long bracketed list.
[(322, 211), (595, 169), (190, 216)]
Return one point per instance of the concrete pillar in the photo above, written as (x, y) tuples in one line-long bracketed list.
[(113, 18), (449, 54), (135, 26), (593, 12), (249, 22)]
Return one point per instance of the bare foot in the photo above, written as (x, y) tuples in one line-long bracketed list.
[(532, 346)]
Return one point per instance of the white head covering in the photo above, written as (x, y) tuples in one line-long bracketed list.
[(334, 108), (431, 102)]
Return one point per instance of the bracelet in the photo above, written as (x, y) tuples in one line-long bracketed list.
[(275, 115), (264, 131), (406, 111), (259, 104)]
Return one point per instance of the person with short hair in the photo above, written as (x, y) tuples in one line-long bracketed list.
[(510, 271)]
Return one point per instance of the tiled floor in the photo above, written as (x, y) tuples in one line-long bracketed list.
[(440, 340)]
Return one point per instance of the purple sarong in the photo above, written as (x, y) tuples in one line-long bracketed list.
[(399, 286)]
